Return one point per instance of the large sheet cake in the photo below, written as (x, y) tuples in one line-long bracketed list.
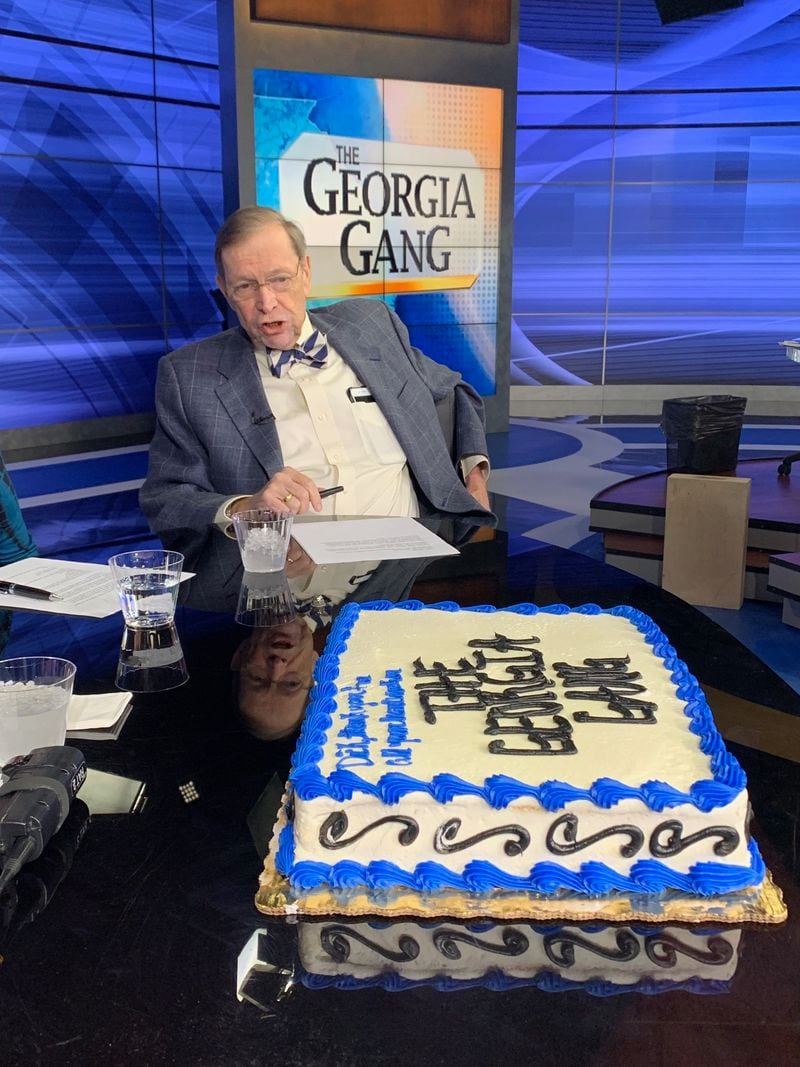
[(549, 750)]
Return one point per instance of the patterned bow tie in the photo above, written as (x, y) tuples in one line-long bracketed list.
[(319, 609), (313, 352)]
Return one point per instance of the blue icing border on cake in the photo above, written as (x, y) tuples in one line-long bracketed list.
[(499, 790), (595, 879), (499, 982)]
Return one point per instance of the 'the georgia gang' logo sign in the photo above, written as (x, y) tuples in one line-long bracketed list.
[(385, 217)]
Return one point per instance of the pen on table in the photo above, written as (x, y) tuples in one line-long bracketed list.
[(329, 492), (15, 589)]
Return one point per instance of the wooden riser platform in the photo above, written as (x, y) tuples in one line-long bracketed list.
[(630, 516)]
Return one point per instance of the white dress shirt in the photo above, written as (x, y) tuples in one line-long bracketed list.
[(336, 440)]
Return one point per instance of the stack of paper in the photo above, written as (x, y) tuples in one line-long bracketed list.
[(97, 716)]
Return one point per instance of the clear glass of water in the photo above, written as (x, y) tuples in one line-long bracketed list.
[(263, 538), (34, 694), (147, 583)]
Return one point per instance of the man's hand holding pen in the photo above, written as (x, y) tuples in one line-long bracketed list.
[(287, 491)]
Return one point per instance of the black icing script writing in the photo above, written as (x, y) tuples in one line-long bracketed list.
[(526, 707), (607, 680), (506, 680)]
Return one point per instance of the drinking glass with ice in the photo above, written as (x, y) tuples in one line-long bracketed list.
[(263, 538), (34, 694), (147, 584)]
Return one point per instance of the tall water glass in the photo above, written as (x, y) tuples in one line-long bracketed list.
[(147, 583), (34, 694)]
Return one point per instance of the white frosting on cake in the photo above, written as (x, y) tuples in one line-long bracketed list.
[(387, 640), (384, 841)]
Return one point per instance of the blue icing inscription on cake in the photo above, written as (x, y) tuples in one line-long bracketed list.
[(534, 749), (355, 749)]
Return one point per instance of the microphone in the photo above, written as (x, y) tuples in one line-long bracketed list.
[(258, 419)]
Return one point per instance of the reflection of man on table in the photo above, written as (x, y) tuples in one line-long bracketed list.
[(272, 678), (273, 666), (265, 415)]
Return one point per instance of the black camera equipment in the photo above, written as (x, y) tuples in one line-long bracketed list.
[(27, 896), (34, 802)]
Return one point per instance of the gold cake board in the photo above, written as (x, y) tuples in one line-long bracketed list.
[(761, 904)]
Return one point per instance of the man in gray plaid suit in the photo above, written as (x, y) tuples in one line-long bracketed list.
[(268, 414)]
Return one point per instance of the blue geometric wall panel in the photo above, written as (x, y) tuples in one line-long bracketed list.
[(657, 203), (110, 196)]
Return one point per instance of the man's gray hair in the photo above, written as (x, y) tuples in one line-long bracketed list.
[(246, 221)]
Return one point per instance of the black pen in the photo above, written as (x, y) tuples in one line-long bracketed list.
[(329, 492), (15, 589)]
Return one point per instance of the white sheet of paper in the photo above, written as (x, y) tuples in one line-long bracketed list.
[(87, 588), (353, 540)]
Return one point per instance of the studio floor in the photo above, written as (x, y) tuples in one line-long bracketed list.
[(544, 473)]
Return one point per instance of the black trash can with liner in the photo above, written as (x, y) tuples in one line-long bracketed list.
[(703, 432)]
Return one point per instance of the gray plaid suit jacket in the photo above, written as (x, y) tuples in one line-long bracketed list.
[(216, 436)]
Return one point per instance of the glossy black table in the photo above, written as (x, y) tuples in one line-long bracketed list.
[(123, 948)]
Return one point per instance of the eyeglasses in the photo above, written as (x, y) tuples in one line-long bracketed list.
[(249, 290), (286, 687)]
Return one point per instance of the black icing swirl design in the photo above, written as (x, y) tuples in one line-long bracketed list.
[(560, 947), (443, 840), (514, 942), (335, 940), (664, 949), (675, 843), (332, 831), (568, 825)]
